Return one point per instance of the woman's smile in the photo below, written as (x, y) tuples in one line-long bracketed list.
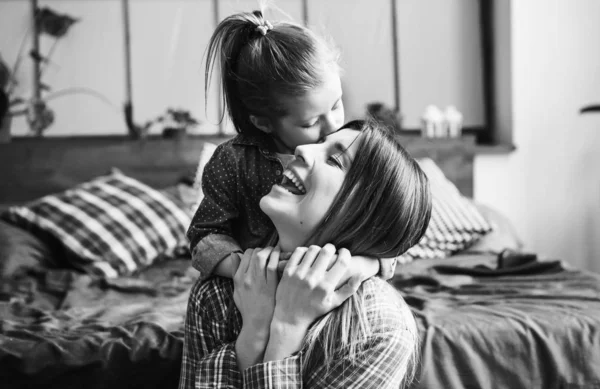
[(293, 183)]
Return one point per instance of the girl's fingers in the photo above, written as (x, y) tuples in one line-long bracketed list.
[(325, 257), (339, 268)]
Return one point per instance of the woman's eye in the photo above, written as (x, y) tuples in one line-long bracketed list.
[(336, 161)]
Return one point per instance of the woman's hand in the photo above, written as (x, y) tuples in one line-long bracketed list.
[(255, 283), (307, 291), (310, 285)]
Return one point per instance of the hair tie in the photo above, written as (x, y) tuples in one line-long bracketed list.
[(264, 28)]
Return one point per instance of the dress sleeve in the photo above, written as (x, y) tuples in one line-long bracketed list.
[(211, 230)]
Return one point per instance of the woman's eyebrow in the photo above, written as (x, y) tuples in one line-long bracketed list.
[(343, 150)]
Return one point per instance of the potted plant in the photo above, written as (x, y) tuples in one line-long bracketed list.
[(175, 123), (39, 116)]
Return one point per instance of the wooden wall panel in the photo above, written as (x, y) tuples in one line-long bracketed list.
[(30, 168)]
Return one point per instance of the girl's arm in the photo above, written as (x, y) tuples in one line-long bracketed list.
[(214, 250)]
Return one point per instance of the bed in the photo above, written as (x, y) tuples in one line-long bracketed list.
[(486, 320)]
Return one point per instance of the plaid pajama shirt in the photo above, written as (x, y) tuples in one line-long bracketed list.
[(213, 324)]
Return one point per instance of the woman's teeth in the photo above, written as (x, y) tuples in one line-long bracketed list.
[(295, 181)]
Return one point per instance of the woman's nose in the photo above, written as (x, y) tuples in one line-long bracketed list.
[(301, 152)]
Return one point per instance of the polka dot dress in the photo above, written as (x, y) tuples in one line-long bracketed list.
[(240, 172)]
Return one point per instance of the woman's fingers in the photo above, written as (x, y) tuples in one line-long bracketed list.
[(295, 258), (324, 259), (245, 262), (340, 268), (308, 259), (261, 257), (281, 265), (346, 290), (271, 269)]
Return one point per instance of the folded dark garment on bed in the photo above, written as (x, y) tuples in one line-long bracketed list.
[(509, 263)]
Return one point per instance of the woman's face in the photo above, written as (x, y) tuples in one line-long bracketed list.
[(310, 184)]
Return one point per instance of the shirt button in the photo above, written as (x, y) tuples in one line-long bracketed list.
[(278, 172)]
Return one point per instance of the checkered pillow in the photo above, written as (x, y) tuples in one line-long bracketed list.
[(113, 224), (455, 224)]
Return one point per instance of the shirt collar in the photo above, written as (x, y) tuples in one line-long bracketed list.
[(261, 140)]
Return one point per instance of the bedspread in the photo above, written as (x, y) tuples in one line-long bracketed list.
[(534, 326), (63, 329)]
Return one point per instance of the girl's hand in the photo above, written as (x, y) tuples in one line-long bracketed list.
[(309, 286), (255, 283)]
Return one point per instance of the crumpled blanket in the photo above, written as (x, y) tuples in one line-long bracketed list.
[(59, 328), (535, 324)]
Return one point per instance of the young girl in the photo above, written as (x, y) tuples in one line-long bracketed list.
[(281, 85)]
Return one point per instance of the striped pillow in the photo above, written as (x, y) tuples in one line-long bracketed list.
[(455, 224), (113, 225)]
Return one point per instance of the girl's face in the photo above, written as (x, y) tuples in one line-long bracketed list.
[(310, 117), (311, 183)]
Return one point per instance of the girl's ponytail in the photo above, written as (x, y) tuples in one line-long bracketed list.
[(224, 50)]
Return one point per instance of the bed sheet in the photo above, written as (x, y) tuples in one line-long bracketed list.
[(61, 329), (531, 325)]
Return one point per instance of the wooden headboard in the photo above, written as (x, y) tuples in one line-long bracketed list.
[(33, 167)]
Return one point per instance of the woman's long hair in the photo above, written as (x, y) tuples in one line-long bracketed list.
[(382, 209)]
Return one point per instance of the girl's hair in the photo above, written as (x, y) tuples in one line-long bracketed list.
[(382, 209), (256, 69)]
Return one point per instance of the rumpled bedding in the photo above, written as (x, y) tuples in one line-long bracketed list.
[(529, 325), (62, 329), (534, 324)]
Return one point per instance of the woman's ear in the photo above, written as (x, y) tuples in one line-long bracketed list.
[(262, 123)]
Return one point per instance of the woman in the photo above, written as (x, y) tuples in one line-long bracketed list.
[(359, 190)]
